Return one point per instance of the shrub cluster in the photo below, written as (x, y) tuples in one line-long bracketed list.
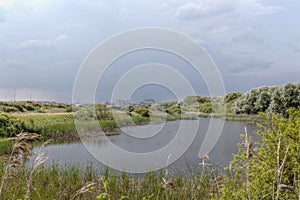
[(275, 99)]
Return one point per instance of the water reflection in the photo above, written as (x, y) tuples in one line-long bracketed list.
[(75, 152)]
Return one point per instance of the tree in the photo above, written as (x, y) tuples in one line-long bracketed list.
[(263, 101), (276, 105), (290, 95), (232, 96), (273, 99)]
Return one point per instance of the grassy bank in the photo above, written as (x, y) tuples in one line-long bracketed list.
[(233, 117), (268, 171), (63, 126), (69, 182)]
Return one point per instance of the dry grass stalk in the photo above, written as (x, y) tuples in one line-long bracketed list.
[(88, 187), (167, 183), (40, 159), (280, 169), (205, 158), (248, 147), (20, 150), (27, 136)]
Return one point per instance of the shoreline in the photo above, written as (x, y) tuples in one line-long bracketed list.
[(62, 126)]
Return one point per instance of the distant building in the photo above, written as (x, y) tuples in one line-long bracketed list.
[(104, 102), (148, 102), (121, 102)]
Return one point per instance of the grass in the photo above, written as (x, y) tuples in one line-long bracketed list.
[(233, 117), (244, 179), (5, 146), (51, 125), (36, 181), (62, 126), (64, 182)]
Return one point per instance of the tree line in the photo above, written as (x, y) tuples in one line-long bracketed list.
[(275, 99)]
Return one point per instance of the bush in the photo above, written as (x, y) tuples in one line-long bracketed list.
[(232, 96), (29, 107), (174, 110), (274, 99), (85, 114), (271, 169), (10, 126), (9, 109), (142, 111), (206, 108)]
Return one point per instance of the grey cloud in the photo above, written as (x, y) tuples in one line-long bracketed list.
[(190, 10), (1, 16), (239, 52), (12, 64), (55, 40), (250, 66), (91, 3), (35, 44), (295, 48), (40, 43), (247, 36)]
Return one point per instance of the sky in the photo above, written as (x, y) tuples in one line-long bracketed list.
[(44, 42)]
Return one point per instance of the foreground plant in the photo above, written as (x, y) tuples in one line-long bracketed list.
[(271, 170), (21, 151)]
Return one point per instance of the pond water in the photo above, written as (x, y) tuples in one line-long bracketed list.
[(76, 153)]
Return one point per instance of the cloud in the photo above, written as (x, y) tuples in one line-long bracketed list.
[(30, 4), (191, 10), (250, 65), (1, 15), (55, 38), (295, 48), (35, 44), (90, 3), (40, 43), (12, 64), (247, 36)]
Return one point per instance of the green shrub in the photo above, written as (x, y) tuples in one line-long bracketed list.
[(108, 125), (232, 96), (206, 108), (140, 119), (272, 168), (10, 126), (174, 110), (29, 107), (142, 110), (8, 109)]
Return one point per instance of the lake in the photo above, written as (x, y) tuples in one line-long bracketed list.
[(76, 152)]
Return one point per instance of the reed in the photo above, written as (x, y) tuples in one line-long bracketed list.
[(37, 181)]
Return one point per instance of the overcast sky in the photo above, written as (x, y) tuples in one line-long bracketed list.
[(44, 42)]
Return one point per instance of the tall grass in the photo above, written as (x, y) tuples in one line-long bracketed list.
[(66, 182), (63, 126), (5, 146), (234, 117), (35, 181)]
